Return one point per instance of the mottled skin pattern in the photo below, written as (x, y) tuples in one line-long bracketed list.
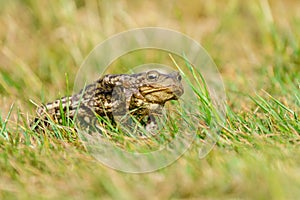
[(142, 95)]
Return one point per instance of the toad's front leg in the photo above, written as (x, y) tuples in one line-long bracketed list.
[(155, 115)]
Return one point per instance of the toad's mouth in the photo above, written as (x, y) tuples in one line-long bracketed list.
[(162, 94), (176, 90)]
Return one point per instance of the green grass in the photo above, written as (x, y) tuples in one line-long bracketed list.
[(255, 44)]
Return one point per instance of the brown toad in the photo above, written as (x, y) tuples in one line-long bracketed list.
[(142, 95)]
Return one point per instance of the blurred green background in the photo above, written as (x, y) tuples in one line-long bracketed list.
[(41, 41)]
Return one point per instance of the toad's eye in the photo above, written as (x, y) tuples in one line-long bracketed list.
[(179, 78), (152, 75)]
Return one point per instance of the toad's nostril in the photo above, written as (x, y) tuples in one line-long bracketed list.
[(178, 92)]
